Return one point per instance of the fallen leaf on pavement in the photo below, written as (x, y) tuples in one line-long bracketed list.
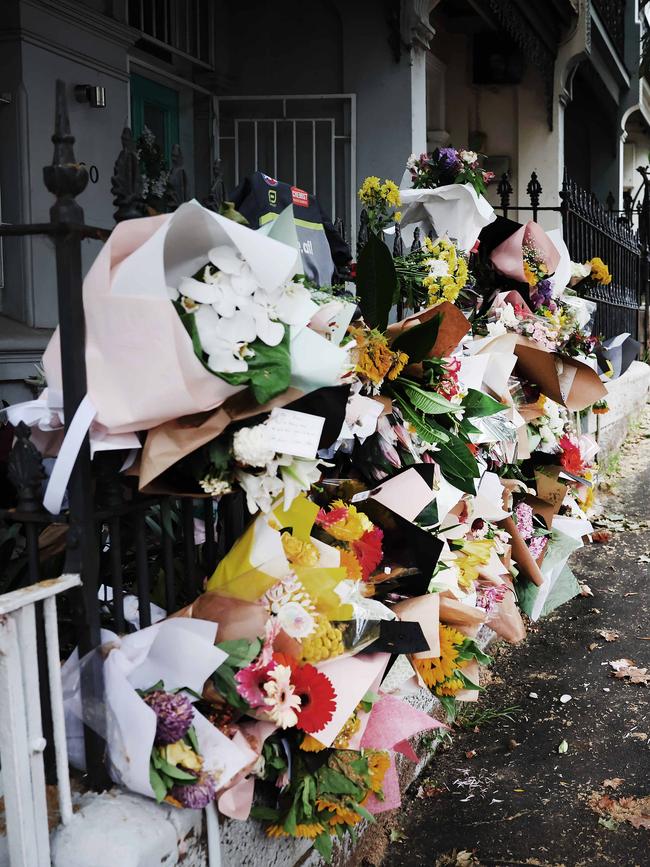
[(610, 824), (601, 536), (593, 646), (643, 559), (457, 859), (585, 590), (563, 747), (618, 664), (609, 634), (636, 675), (635, 811), (614, 783), (640, 736), (396, 835)]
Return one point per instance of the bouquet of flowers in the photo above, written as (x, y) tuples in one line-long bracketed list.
[(448, 166)]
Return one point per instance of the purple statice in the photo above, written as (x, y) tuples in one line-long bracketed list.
[(175, 715), (541, 296), (489, 596), (448, 158), (196, 796)]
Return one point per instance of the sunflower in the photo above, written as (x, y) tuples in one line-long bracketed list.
[(342, 814), (378, 764), (450, 686), (311, 830), (437, 669)]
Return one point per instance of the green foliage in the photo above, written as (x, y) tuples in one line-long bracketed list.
[(376, 282)]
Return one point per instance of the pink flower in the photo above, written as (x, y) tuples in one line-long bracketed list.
[(281, 701), (250, 681), (524, 519)]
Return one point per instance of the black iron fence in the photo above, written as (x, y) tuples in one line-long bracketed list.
[(159, 549), (589, 229)]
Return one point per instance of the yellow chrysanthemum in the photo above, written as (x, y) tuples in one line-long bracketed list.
[(370, 190), (374, 358), (310, 745), (390, 193), (343, 815), (351, 727), (300, 552), (324, 642), (378, 764), (310, 830), (437, 669), (397, 216)]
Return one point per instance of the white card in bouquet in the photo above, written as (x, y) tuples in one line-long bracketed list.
[(294, 433)]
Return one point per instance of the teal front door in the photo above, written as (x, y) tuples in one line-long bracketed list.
[(155, 106)]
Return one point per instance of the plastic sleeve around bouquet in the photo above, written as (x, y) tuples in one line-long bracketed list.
[(455, 210), (506, 619), (181, 654), (141, 365)]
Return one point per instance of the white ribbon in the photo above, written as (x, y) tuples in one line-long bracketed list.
[(56, 487)]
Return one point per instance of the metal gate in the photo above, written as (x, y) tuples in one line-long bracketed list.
[(307, 140)]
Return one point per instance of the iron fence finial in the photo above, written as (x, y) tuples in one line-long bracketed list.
[(65, 178), (504, 189)]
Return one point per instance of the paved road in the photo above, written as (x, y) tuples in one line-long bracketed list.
[(503, 792)]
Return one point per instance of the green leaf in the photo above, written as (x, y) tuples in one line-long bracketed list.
[(467, 683), (192, 738), (241, 652), (323, 845), (469, 645), (333, 782), (268, 814), (269, 372), (417, 341), (367, 815), (457, 464), (428, 402), (479, 405), (424, 430), (376, 282), (175, 773), (158, 786), (449, 704), (291, 820)]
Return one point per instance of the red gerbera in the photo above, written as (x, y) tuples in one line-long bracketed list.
[(368, 551), (571, 459), (317, 698)]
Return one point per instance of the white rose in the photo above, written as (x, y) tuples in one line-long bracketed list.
[(580, 270), (468, 157)]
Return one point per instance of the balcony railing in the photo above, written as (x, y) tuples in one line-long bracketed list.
[(612, 15)]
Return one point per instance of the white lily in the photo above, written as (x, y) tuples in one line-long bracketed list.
[(298, 474), (261, 491)]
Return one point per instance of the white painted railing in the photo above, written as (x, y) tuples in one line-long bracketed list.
[(21, 733)]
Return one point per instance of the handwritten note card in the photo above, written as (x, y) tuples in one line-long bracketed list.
[(294, 433)]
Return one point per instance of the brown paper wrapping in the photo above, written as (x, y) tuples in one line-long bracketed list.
[(453, 327), (539, 367), (424, 610), (166, 444), (455, 613), (520, 553)]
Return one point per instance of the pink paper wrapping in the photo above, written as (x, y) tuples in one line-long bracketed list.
[(508, 258), (141, 366), (393, 721)]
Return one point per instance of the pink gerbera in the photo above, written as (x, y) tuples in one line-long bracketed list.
[(250, 682), (326, 519)]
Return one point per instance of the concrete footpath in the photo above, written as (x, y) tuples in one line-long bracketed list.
[(552, 767)]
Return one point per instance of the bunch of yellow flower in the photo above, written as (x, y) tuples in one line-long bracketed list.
[(378, 199), (447, 271), (374, 359), (324, 642), (600, 271)]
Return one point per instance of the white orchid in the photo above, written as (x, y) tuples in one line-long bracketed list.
[(225, 340)]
